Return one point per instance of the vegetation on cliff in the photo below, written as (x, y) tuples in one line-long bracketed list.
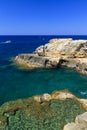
[(29, 114)]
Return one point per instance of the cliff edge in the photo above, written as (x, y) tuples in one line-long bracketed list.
[(57, 53)]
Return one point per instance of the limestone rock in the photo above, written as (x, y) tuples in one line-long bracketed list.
[(37, 98), (60, 40), (31, 60), (80, 123), (65, 46), (82, 66), (42, 98), (70, 63), (57, 53), (73, 126), (82, 119), (46, 97), (83, 102), (62, 95)]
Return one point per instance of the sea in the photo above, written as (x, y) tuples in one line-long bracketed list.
[(16, 83)]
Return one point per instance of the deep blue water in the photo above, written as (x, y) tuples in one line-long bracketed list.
[(16, 83)]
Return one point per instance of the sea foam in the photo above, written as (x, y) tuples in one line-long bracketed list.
[(8, 41)]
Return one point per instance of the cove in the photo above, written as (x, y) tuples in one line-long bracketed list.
[(16, 83)]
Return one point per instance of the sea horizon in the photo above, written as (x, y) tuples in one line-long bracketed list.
[(43, 64), (43, 35)]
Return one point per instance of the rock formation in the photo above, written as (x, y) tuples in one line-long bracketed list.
[(80, 123), (45, 112), (60, 110), (57, 53)]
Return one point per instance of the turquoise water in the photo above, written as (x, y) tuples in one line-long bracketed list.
[(16, 83)]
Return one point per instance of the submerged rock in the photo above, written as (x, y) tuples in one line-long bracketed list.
[(57, 53), (44, 112)]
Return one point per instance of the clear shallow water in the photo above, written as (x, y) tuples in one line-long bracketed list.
[(15, 83)]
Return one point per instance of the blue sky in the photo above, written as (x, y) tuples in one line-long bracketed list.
[(43, 17)]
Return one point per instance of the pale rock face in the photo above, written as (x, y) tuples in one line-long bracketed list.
[(80, 123), (52, 62), (82, 119), (65, 46), (57, 53), (42, 98), (46, 97), (39, 49), (65, 95), (71, 47), (60, 40), (73, 126), (62, 95), (83, 102), (37, 98)]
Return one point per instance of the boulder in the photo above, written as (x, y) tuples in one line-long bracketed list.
[(37, 98), (80, 123), (82, 119), (62, 95), (73, 126), (83, 102), (42, 98), (45, 97)]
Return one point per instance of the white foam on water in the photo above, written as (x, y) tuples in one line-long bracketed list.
[(83, 93), (8, 41)]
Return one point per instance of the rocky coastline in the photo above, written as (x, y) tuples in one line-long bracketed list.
[(57, 53), (56, 111), (60, 110)]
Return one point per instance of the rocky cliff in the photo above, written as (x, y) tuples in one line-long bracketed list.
[(57, 53), (60, 110)]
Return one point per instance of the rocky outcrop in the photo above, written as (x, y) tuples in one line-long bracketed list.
[(44, 112), (58, 95), (31, 61), (80, 123), (57, 53), (68, 47)]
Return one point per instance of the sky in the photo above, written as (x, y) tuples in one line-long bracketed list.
[(43, 17)]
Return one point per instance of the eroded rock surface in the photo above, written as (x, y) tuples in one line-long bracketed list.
[(80, 123), (46, 112), (57, 53)]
